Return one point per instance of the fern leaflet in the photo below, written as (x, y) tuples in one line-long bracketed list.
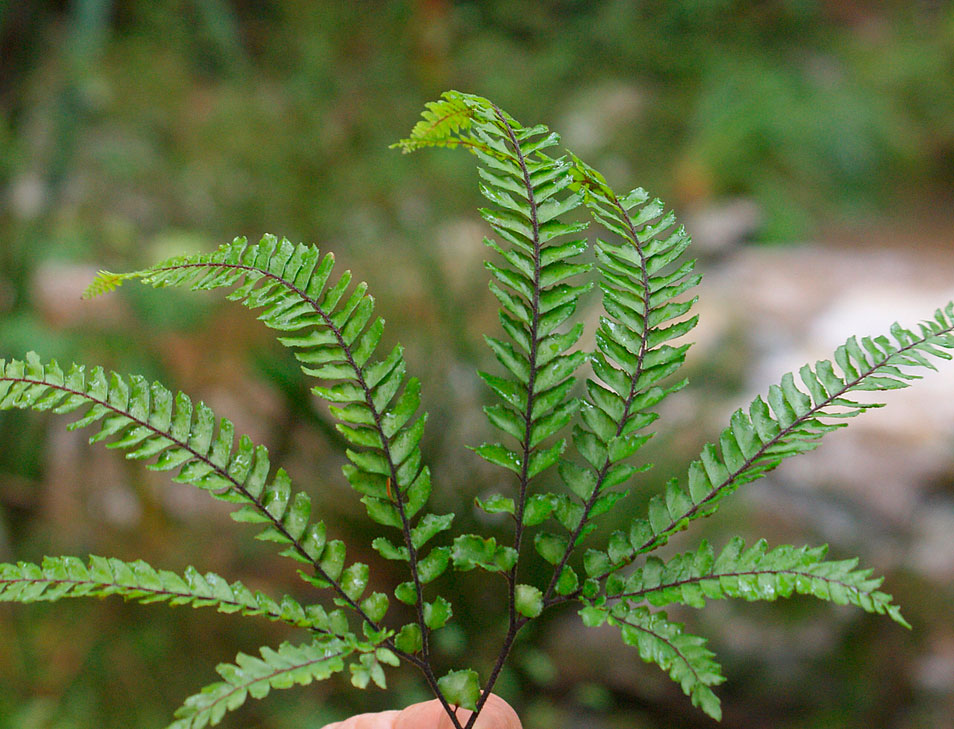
[(753, 574), (61, 577), (334, 336), (641, 278), (529, 191), (441, 121), (682, 655), (146, 420), (790, 422), (285, 667)]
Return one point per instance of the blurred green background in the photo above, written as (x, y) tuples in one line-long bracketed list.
[(131, 130)]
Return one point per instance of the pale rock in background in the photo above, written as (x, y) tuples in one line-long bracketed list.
[(795, 305)]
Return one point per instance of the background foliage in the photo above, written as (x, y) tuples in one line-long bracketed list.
[(134, 130)]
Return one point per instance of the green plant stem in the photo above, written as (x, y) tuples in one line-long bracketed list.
[(531, 357), (507, 646), (517, 622), (425, 668)]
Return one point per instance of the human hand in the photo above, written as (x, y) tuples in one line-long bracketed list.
[(495, 714)]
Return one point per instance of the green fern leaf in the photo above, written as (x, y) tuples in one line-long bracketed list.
[(148, 422), (62, 577), (642, 277), (285, 667), (334, 335), (529, 194), (441, 120), (753, 574), (682, 655), (104, 283), (792, 421), (332, 330)]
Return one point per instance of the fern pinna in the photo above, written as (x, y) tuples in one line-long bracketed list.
[(572, 450)]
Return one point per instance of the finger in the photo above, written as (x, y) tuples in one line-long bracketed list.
[(426, 715), (495, 714), (378, 720)]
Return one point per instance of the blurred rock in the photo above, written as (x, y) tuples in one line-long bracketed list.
[(934, 671), (719, 226), (933, 553), (28, 196), (596, 112), (58, 289), (795, 305)]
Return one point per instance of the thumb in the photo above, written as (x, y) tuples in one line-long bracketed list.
[(495, 714), (380, 720)]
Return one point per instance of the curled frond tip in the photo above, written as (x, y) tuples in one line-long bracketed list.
[(106, 282)]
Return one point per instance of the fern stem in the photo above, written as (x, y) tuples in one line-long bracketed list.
[(505, 649), (531, 358), (517, 622), (424, 666)]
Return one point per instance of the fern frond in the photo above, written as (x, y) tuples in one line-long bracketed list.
[(332, 330), (755, 573), (334, 335), (682, 655), (791, 422), (61, 577), (148, 421), (440, 121), (529, 192), (105, 282), (285, 667), (641, 277)]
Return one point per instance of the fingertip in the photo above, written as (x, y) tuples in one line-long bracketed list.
[(425, 715), (378, 720), (497, 714)]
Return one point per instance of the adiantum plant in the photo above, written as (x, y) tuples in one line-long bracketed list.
[(572, 451)]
